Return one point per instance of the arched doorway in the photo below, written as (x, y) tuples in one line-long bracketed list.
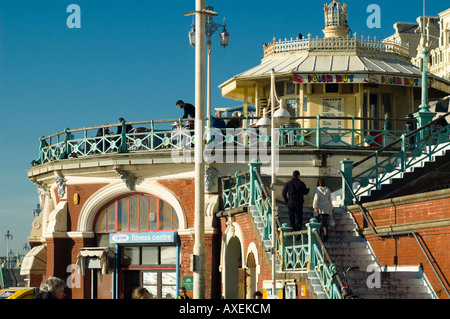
[(233, 269), (251, 275)]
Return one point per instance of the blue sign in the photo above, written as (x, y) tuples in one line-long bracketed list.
[(142, 238)]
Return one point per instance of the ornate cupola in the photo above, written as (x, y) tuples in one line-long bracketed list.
[(335, 20)]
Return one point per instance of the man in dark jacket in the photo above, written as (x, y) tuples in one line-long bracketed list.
[(189, 109), (293, 192)]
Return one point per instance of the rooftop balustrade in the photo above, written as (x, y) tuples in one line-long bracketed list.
[(167, 135), (361, 44)]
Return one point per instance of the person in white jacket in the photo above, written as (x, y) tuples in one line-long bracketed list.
[(323, 206)]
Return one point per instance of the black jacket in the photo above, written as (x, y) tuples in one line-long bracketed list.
[(44, 295), (295, 188), (189, 110)]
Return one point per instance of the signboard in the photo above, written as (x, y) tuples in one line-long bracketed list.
[(331, 78), (188, 282), (332, 107), (142, 238), (396, 80), (358, 78)]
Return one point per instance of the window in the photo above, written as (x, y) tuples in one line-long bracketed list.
[(148, 256), (331, 88), (160, 284), (136, 212), (279, 88), (290, 88), (291, 106)]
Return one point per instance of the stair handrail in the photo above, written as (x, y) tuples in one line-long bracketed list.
[(364, 211), (330, 262), (389, 146), (369, 221), (266, 193)]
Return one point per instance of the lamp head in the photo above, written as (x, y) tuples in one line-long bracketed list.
[(224, 37), (281, 116)]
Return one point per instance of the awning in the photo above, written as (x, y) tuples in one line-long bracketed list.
[(100, 253), (35, 262)]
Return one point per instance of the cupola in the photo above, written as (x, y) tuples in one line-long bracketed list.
[(335, 20)]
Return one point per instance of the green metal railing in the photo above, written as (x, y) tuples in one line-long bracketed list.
[(412, 149), (297, 251), (150, 136)]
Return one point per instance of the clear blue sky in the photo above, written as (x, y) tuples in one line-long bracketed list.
[(130, 59)]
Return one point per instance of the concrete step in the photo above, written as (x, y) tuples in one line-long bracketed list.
[(315, 283)]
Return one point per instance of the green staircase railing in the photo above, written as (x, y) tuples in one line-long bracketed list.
[(404, 153), (297, 251)]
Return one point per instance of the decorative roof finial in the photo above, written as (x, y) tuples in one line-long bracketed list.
[(335, 20)]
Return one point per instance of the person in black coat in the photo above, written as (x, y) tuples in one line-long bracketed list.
[(128, 127), (293, 193), (189, 109)]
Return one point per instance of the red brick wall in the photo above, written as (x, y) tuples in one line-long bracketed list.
[(184, 189), (404, 250), (251, 235), (84, 192)]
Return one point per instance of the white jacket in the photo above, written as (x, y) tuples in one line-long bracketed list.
[(322, 200)]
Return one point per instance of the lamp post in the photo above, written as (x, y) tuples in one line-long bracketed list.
[(199, 263), (279, 117), (210, 28), (8, 237), (424, 115)]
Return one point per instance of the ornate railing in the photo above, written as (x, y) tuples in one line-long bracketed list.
[(300, 250), (412, 149), (235, 190), (336, 44), (169, 135)]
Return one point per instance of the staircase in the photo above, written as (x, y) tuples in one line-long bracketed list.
[(257, 220), (348, 249)]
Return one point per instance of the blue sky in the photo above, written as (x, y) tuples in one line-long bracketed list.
[(129, 59)]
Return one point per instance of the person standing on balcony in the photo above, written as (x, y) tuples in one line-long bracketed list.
[(189, 109), (293, 192), (128, 127), (323, 206)]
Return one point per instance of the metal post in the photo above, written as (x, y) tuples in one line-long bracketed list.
[(273, 182), (347, 168), (199, 222), (424, 116), (208, 101)]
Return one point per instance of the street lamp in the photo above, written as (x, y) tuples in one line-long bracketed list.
[(8, 237), (210, 28), (37, 210), (424, 115), (199, 277), (278, 118)]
